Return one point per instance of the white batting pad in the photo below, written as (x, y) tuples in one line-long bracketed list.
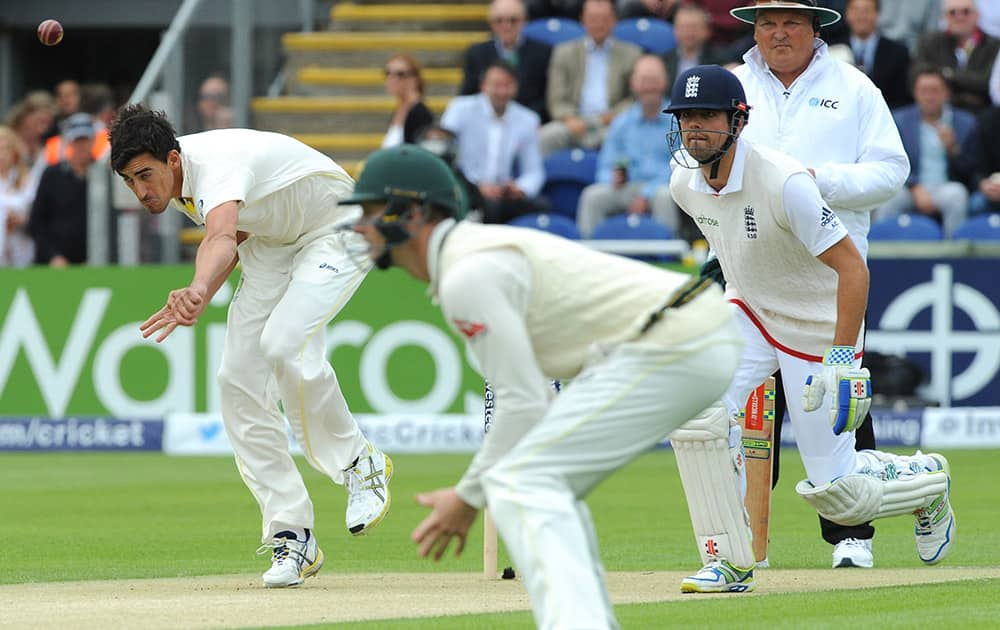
[(710, 474), (859, 498)]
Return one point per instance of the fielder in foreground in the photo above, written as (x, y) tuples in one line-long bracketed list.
[(800, 288), (646, 349), (269, 202)]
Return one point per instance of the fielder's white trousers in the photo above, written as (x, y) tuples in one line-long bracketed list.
[(825, 456), (616, 409), (275, 350)]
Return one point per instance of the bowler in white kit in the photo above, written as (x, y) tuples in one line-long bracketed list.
[(270, 203)]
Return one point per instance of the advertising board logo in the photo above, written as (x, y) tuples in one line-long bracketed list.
[(942, 295)]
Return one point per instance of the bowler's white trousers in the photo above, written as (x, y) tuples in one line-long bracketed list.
[(617, 408), (825, 456), (275, 350)]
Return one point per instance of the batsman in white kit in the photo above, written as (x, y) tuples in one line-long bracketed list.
[(646, 350), (800, 288), (270, 203)]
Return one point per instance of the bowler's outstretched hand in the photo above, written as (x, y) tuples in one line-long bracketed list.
[(450, 517)]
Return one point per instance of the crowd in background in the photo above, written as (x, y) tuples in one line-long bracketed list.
[(935, 62), (48, 142), (522, 101)]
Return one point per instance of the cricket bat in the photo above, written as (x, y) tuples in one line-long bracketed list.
[(758, 430)]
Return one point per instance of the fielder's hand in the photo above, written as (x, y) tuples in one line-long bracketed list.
[(450, 516), (850, 389)]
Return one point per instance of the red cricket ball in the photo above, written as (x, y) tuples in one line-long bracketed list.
[(50, 32)]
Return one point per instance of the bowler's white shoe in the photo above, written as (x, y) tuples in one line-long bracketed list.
[(719, 576), (853, 552), (292, 560), (935, 528), (368, 497)]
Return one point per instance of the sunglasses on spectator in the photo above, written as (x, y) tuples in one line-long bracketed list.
[(399, 74), (218, 97), (961, 11), (505, 19)]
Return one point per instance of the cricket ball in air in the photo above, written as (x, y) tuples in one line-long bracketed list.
[(50, 32)]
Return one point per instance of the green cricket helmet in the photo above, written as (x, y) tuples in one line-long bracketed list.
[(409, 173), (401, 177)]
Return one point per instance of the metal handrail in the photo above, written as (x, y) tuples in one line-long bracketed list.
[(174, 33)]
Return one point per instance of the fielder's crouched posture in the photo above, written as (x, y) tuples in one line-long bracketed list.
[(269, 202), (800, 288), (646, 350)]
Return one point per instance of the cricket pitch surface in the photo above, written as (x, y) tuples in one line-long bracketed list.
[(234, 601)]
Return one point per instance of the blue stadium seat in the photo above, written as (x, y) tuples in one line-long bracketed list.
[(553, 223), (983, 227), (653, 35), (906, 227), (567, 173), (634, 226), (553, 30)]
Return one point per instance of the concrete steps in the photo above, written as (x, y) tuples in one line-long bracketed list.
[(324, 81), (348, 16), (336, 99)]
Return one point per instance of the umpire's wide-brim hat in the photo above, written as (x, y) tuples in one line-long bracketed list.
[(747, 14)]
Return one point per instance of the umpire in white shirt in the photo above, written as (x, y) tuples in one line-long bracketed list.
[(498, 147), (832, 118)]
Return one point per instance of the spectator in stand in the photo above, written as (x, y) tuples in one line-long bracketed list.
[(588, 82), (886, 62), (443, 144), (940, 141), (663, 9), (906, 20), (16, 189), (59, 214), (67, 99), (405, 83), (498, 145), (97, 100), (726, 30), (963, 52), (692, 30), (213, 103), (986, 198), (529, 57), (633, 169), (29, 119)]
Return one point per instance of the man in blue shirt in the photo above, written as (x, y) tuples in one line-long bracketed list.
[(633, 169)]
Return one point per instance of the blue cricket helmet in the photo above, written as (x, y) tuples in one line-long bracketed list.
[(707, 87)]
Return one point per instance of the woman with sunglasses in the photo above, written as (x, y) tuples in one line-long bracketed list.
[(404, 82)]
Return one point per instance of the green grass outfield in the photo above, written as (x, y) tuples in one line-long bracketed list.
[(100, 516)]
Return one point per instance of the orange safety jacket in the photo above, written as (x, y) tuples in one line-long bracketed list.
[(56, 150)]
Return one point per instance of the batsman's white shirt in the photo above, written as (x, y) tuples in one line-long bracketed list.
[(834, 120), (247, 166), (767, 226), (533, 306)]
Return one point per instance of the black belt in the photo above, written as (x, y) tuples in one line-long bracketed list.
[(687, 292)]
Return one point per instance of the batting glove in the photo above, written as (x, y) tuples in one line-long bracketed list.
[(850, 389)]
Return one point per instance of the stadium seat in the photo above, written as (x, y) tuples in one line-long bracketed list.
[(553, 30), (906, 227), (983, 227), (567, 173), (653, 35), (553, 223), (634, 226)]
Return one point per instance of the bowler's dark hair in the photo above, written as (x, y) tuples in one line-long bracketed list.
[(137, 130), (505, 66)]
